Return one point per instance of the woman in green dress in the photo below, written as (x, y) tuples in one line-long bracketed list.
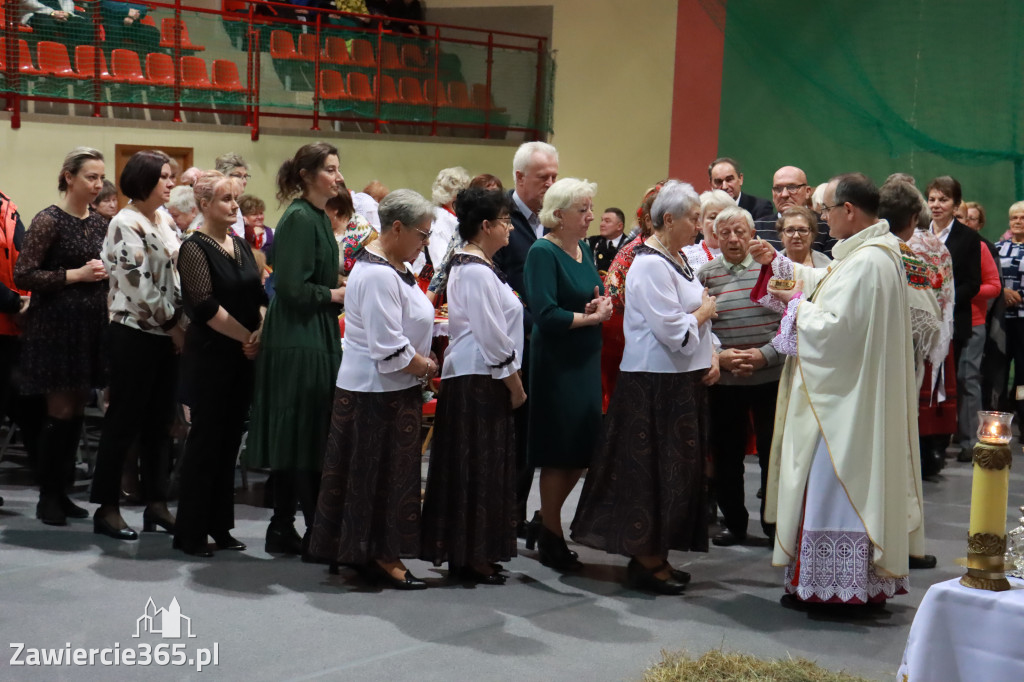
[(301, 346), (564, 294)]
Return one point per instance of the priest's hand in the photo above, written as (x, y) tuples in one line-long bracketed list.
[(713, 373), (761, 251), (786, 295)]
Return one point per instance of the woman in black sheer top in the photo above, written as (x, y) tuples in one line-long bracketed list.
[(225, 302)]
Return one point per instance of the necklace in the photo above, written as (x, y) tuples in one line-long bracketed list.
[(557, 240), (378, 248), (674, 256), (480, 249)]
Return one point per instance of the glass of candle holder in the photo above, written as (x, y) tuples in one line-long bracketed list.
[(994, 427)]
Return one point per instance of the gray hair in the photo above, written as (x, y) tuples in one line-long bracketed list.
[(731, 213), (562, 195), (406, 206), (448, 183), (524, 155), (675, 199), (1016, 206), (226, 163), (183, 198)]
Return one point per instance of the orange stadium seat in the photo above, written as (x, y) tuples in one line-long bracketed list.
[(127, 68), (193, 74), (307, 47), (282, 45), (388, 91), (389, 57), (331, 85), (413, 57), (359, 86), (362, 54), (458, 95), (429, 88), (335, 51), (168, 27), (85, 62), (54, 61), (160, 69), (410, 92), (25, 64), (225, 76)]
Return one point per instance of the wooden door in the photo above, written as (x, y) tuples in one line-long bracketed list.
[(123, 152)]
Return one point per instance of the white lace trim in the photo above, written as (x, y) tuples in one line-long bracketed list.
[(837, 564)]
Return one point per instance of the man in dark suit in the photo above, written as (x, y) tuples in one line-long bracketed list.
[(605, 245), (535, 167), (790, 188), (724, 174)]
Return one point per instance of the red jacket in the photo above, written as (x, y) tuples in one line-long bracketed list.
[(10, 225)]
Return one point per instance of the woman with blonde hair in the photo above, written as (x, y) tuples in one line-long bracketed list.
[(564, 293), (62, 336), (225, 302)]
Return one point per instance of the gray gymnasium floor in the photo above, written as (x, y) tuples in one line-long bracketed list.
[(280, 619)]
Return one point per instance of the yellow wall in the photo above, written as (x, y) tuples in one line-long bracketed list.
[(32, 157), (613, 102)]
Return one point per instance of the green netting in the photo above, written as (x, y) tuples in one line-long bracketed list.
[(929, 88), (286, 74)]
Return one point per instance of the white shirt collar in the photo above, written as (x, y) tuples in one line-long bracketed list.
[(532, 218), (944, 234)]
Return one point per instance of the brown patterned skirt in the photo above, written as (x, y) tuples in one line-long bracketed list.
[(469, 514), (645, 490), (369, 505)]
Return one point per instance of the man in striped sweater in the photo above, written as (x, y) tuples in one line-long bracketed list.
[(750, 367)]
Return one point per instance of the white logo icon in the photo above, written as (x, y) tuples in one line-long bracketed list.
[(164, 622)]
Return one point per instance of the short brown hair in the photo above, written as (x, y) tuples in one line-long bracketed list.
[(949, 186), (797, 212), (250, 204)]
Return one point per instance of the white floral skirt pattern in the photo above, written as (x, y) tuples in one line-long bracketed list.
[(834, 563)]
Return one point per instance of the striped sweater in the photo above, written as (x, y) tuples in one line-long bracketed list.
[(742, 323)]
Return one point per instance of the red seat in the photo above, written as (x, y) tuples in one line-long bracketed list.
[(25, 65), (234, 6), (169, 26), (362, 53), (413, 57), (160, 69), (282, 46), (359, 86), (193, 74), (148, 21), (335, 51), (331, 85), (225, 76), (458, 95), (428, 93), (307, 47), (54, 60), (482, 99), (388, 91), (85, 62), (410, 92), (389, 57), (126, 67)]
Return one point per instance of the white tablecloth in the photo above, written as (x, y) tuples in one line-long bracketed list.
[(968, 635)]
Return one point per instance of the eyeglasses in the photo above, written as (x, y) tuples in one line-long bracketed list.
[(504, 220), (779, 189), (792, 231), (424, 236), (825, 209), (243, 176)]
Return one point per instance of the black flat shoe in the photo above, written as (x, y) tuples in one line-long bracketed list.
[(100, 526), (410, 582), (554, 553), (151, 521), (199, 549), (677, 574), (226, 542), (727, 539), (469, 574), (72, 510), (926, 561), (282, 539), (50, 511), (641, 578)]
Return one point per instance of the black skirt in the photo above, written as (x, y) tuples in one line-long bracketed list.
[(645, 491), (469, 514), (369, 505)]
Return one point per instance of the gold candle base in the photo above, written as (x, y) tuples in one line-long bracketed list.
[(986, 542)]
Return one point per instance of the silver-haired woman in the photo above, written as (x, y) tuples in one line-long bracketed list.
[(644, 493), (368, 513)]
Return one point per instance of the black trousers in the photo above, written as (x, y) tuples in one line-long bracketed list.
[(219, 385), (524, 472), (143, 397), (1015, 350), (731, 408)]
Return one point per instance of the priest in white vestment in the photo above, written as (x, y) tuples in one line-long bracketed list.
[(844, 486)]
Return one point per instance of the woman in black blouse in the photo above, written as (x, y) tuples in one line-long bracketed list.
[(225, 301), (62, 338)]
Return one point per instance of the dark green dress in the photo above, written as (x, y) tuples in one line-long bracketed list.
[(297, 367), (565, 364)]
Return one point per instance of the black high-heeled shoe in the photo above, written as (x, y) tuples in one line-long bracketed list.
[(150, 521), (199, 549), (471, 575), (532, 530), (554, 553), (641, 578), (380, 576), (100, 526), (226, 542)]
